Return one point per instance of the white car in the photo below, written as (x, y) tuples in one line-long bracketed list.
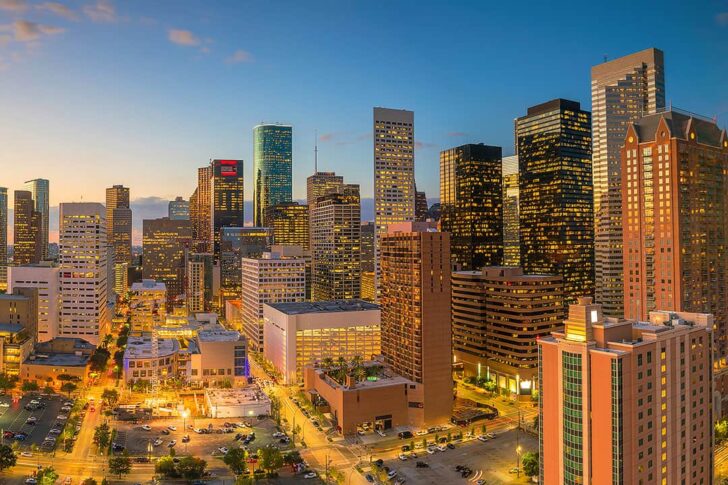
[(61, 417), (483, 438), (198, 431), (402, 457), (310, 475), (31, 481), (171, 444), (442, 448), (431, 450), (158, 441), (172, 428), (4, 404), (381, 433), (491, 435), (392, 474), (278, 434), (26, 454), (421, 432), (146, 427), (223, 450)]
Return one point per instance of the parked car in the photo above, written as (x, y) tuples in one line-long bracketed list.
[(26, 454), (172, 427), (405, 435), (158, 442), (402, 457), (310, 475), (146, 427), (171, 444), (223, 450)]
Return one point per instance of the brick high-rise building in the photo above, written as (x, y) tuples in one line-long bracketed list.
[(415, 306), (471, 200), (623, 90), (626, 402), (675, 218), (3, 238)]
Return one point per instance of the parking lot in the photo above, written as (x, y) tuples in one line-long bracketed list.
[(14, 419), (491, 461), (138, 441)]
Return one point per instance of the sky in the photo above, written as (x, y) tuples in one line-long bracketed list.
[(141, 93)]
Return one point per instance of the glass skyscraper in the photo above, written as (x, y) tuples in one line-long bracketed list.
[(272, 169), (40, 192)]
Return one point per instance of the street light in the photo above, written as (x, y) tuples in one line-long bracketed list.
[(518, 461), (185, 413)]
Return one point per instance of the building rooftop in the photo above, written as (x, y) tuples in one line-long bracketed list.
[(681, 123), (141, 348), (218, 336), (328, 306), (10, 327), (12, 296), (235, 397), (59, 359), (148, 285)]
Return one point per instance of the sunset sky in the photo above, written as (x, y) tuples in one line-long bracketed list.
[(141, 93)]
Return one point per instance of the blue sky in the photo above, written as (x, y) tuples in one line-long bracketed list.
[(98, 92)]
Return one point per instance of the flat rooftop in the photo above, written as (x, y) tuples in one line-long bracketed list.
[(149, 285), (218, 336), (10, 327), (327, 306), (236, 397), (65, 360), (141, 348)]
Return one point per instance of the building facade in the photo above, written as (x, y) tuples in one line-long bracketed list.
[(201, 211), (40, 192), (199, 284), (179, 209), (626, 402), (227, 192), (45, 277), (415, 309), (238, 243), (164, 243), (290, 224), (471, 201), (555, 194), (511, 238), (3, 238), (118, 222), (27, 243), (147, 306), (623, 90), (272, 169)]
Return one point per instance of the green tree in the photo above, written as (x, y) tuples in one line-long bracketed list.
[(8, 459), (449, 436), (30, 386), (165, 466), (107, 340), (235, 459), (327, 364), (89, 481), (49, 390), (191, 468), (99, 359), (292, 457), (424, 442), (530, 464), (102, 435), (110, 396), (120, 465), (7, 382), (104, 481), (46, 476), (65, 377), (68, 388), (483, 429), (271, 459)]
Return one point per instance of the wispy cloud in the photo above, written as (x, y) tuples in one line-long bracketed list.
[(327, 137), (101, 11), (25, 31), (183, 37), (457, 134), (58, 9), (239, 56), (13, 5), (722, 18)]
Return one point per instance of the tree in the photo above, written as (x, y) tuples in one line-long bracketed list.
[(292, 457), (48, 390), (65, 377), (165, 466), (110, 396), (102, 435), (107, 340), (30, 386), (235, 459), (104, 481), (89, 481), (99, 359), (120, 465), (46, 476), (271, 459), (7, 382), (68, 388), (327, 364), (7, 457), (191, 468), (530, 464)]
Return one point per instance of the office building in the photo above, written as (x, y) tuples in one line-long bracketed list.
[(61, 356), (218, 357), (368, 288), (394, 170), (121, 279), (420, 205), (199, 291), (147, 306), (27, 242), (623, 90), (336, 245), (45, 277), (290, 224), (415, 308), (271, 278), (118, 223), (272, 169), (20, 307), (320, 184), (3, 238), (238, 243), (623, 401), (164, 242), (675, 218), (83, 273), (300, 334), (471, 199), (511, 240), (555, 194), (179, 209), (227, 191), (40, 193), (201, 211), (498, 315)]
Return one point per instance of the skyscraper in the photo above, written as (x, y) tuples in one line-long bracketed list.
[(415, 305), (199, 289), (556, 218), (40, 192), (471, 198), (511, 240), (320, 184), (675, 218), (623, 90), (290, 224), (272, 168), (118, 223), (237, 243), (27, 226), (227, 190), (163, 258), (626, 402), (201, 211), (336, 245), (368, 290), (83, 250), (394, 170), (179, 209), (3, 238), (420, 205)]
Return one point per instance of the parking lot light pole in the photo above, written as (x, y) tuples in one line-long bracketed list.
[(185, 413), (518, 461)]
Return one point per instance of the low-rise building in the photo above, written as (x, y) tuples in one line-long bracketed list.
[(217, 357), (140, 363), (16, 344), (304, 333), (60, 356), (45, 277), (147, 305), (246, 402)]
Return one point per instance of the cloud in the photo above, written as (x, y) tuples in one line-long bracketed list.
[(327, 137), (722, 18), (457, 134), (101, 11), (183, 37), (239, 56), (25, 31), (58, 9), (13, 5)]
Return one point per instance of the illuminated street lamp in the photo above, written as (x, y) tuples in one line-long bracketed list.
[(185, 413), (518, 461)]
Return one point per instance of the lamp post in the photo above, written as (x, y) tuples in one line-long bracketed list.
[(185, 413), (518, 461)]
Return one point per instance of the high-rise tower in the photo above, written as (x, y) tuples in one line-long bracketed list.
[(40, 192), (118, 223), (272, 168), (227, 191), (27, 226)]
